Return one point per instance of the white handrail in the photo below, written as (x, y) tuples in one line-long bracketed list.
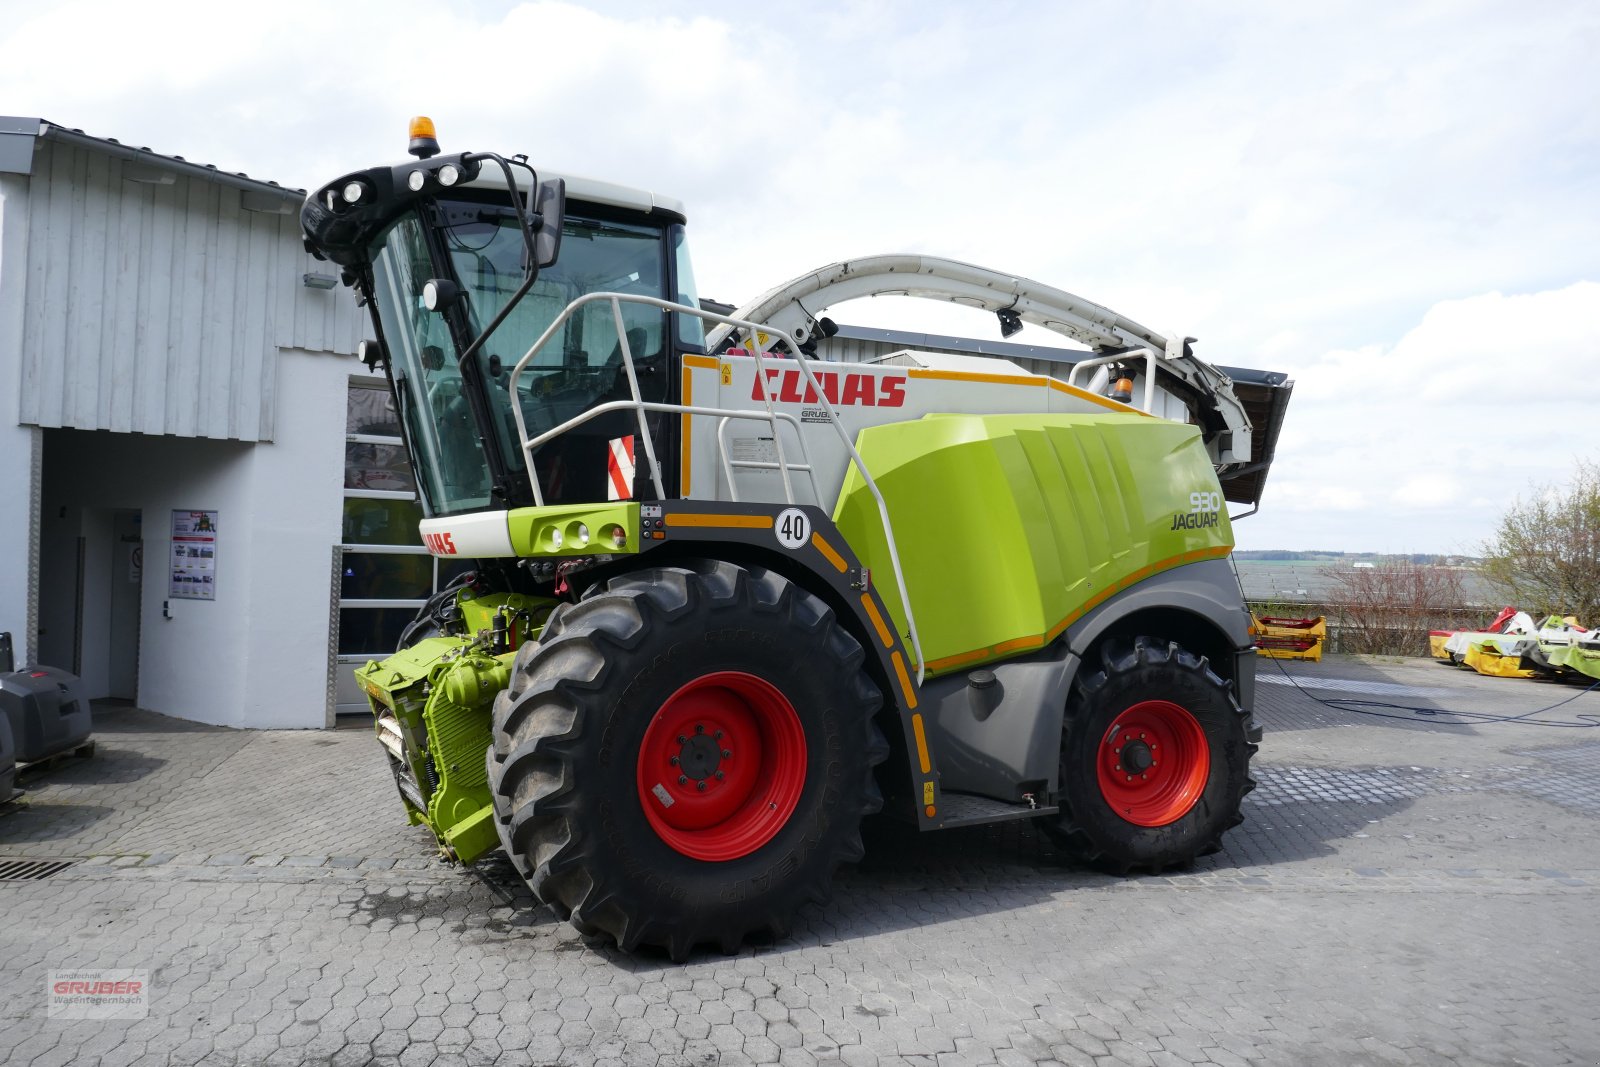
[(633, 387), (648, 405), (1149, 357), (753, 331)]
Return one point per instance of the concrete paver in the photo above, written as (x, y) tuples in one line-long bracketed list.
[(1403, 891)]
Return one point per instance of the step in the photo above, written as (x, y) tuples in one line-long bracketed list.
[(964, 809)]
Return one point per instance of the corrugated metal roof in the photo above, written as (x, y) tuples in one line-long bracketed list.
[(17, 126), (158, 293), (946, 343)]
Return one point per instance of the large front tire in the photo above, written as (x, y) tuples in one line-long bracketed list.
[(685, 756), (1155, 760)]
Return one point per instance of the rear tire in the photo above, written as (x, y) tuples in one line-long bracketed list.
[(1155, 760), (608, 798)]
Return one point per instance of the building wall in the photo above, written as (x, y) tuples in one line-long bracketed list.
[(153, 324), (18, 443), (297, 493), (157, 301), (257, 655)]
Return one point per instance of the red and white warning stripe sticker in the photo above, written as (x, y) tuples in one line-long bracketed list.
[(619, 469)]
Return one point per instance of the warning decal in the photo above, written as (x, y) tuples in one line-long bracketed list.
[(619, 469)]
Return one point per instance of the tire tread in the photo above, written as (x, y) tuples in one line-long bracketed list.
[(1119, 658), (540, 729)]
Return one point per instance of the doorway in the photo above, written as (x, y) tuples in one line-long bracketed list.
[(126, 592)]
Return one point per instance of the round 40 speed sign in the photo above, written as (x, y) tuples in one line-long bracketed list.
[(793, 528)]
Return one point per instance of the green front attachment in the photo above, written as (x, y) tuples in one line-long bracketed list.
[(1577, 658), (432, 707)]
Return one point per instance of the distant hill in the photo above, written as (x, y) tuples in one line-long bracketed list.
[(1284, 555), (1308, 577)]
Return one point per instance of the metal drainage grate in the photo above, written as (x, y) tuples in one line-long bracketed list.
[(31, 870)]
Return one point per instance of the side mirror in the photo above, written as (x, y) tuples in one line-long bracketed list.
[(550, 211)]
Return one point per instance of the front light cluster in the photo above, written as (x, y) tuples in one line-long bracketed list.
[(574, 535), (340, 198), (446, 175)]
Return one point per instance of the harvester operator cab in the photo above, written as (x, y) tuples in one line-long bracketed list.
[(466, 260)]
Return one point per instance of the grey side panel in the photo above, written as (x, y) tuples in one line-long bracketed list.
[(1208, 591), (1004, 739), (1244, 678), (8, 761)]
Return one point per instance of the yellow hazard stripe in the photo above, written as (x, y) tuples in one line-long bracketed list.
[(688, 438), (721, 522), (1012, 379), (878, 624), (1104, 401), (821, 545), (971, 376), (905, 679), (922, 744)]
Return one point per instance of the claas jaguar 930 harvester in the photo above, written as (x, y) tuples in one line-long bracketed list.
[(727, 597)]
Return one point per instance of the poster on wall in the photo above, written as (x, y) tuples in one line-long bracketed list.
[(194, 556)]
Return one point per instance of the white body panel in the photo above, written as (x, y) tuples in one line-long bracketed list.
[(863, 395), (481, 535), (590, 190)]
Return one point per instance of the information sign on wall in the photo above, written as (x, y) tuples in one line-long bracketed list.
[(194, 556)]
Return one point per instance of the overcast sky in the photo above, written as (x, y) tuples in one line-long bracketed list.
[(1396, 203)]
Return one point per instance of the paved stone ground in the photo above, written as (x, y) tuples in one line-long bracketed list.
[(1403, 891)]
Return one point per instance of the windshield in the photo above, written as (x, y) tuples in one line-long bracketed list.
[(579, 367), (445, 446)]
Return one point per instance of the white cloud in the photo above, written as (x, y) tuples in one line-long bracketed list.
[(1339, 191), (1483, 400), (1437, 489)]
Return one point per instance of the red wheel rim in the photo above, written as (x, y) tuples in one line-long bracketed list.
[(1153, 763), (722, 766)]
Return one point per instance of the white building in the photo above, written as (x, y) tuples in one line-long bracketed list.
[(164, 349)]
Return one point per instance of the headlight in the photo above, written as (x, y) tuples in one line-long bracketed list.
[(439, 293), (416, 180), (354, 191), (449, 174)]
